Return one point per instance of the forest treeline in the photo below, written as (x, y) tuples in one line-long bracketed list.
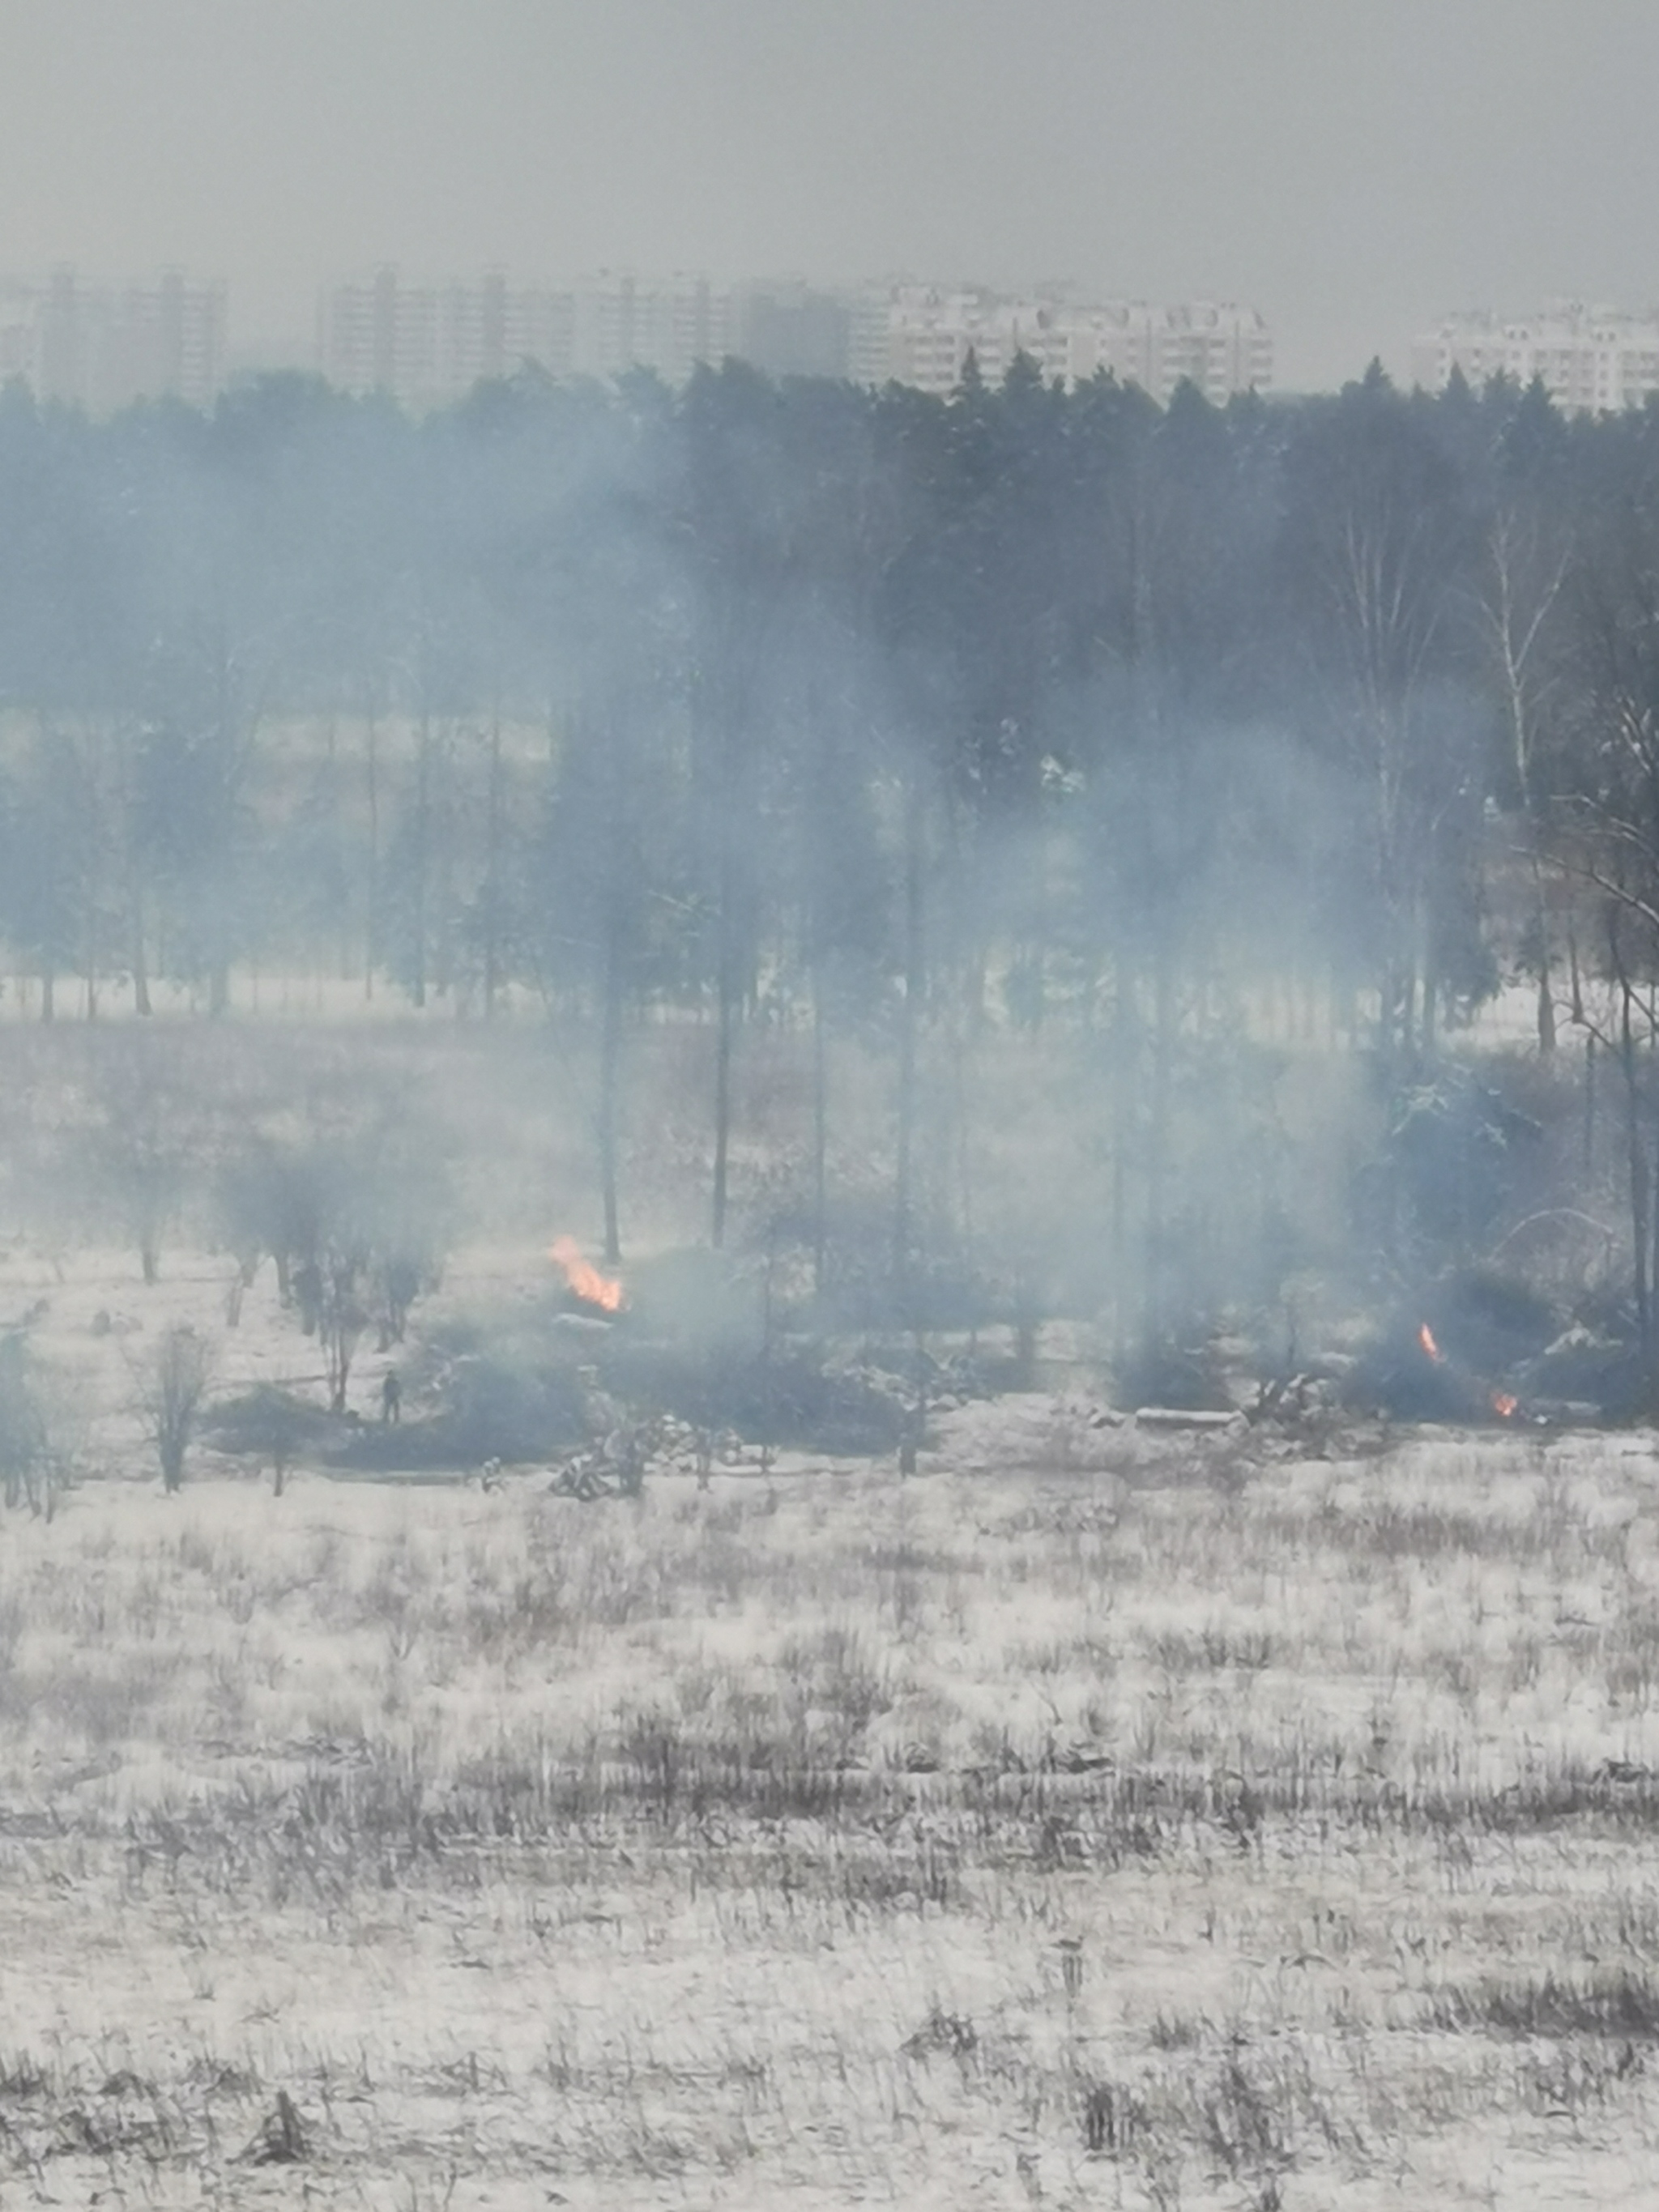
[(1154, 740)]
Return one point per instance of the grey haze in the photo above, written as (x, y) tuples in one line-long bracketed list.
[(1351, 169)]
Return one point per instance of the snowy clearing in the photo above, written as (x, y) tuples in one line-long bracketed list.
[(1095, 1818)]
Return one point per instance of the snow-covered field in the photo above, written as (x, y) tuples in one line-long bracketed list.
[(1096, 1819)]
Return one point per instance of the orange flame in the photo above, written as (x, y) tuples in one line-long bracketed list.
[(1425, 1338), (585, 1279), (1502, 1405)]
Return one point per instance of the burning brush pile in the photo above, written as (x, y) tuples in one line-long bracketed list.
[(592, 1295), (686, 1365), (1485, 1350), (696, 1340), (1455, 1390)]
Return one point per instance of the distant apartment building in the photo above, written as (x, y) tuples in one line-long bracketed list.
[(788, 329), (1589, 360), (100, 347), (427, 344), (929, 332), (667, 324)]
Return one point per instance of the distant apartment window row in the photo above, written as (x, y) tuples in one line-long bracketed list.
[(1587, 360)]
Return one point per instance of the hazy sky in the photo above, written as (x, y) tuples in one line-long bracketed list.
[(1351, 166)]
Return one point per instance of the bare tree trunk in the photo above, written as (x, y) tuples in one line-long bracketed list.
[(1636, 1155), (140, 968), (1158, 1317), (820, 1136), (372, 907), (903, 1192), (1541, 923), (1404, 949), (1589, 1105), (768, 1431), (961, 1133), (423, 797), (1518, 610), (492, 870), (441, 803), (92, 957), (610, 1051), (1123, 1111), (725, 963)]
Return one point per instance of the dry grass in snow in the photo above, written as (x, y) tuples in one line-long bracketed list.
[(1175, 1831)]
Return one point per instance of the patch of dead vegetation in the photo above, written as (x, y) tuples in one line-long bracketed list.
[(1025, 1829)]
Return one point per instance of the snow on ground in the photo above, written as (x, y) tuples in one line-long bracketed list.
[(1099, 1818)]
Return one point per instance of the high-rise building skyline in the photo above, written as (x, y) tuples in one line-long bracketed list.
[(1591, 360), (931, 330), (425, 343), (101, 346)]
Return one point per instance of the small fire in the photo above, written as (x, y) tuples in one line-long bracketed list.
[(585, 1279), (1502, 1405), (1425, 1338)]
